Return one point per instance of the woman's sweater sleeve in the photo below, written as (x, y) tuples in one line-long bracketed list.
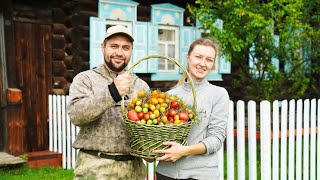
[(217, 124)]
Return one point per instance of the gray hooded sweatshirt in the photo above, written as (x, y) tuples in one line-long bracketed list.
[(212, 103)]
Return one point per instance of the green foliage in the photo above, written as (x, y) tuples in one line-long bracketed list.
[(249, 29), (44, 173)]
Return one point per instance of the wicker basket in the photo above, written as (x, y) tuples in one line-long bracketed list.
[(146, 138)]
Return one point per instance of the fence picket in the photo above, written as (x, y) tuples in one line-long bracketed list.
[(59, 124), (283, 150), (69, 147), (318, 143), (252, 140), (55, 134), (73, 151), (275, 140), (241, 140), (220, 163), (50, 123), (291, 139), (313, 140), (63, 106), (299, 141), (230, 142), (306, 139), (294, 164), (265, 118)]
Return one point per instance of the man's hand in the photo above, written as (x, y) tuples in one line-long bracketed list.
[(122, 83)]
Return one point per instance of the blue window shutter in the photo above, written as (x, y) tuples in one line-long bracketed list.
[(187, 36), (152, 47), (275, 61), (97, 35), (140, 46), (224, 65)]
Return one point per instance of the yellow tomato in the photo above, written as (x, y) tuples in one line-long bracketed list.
[(141, 94)]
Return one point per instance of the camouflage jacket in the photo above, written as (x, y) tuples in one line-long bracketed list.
[(92, 108)]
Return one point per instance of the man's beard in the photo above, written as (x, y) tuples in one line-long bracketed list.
[(113, 66)]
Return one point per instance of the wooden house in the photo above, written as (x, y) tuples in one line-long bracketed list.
[(44, 44)]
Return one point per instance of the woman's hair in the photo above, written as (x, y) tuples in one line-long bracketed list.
[(204, 42)]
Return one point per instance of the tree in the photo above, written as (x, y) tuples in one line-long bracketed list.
[(273, 45)]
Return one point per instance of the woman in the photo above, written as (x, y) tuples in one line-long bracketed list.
[(199, 159)]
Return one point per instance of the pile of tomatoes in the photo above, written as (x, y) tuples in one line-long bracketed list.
[(154, 107)]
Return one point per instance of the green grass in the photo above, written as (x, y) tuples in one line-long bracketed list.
[(25, 173)]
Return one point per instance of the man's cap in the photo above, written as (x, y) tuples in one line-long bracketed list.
[(119, 29)]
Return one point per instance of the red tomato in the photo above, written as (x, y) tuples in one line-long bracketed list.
[(132, 115), (170, 119), (147, 117), (140, 115), (183, 116), (174, 104), (172, 112)]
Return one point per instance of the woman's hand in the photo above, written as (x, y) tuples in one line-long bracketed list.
[(174, 153)]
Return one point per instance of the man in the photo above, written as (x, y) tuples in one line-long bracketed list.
[(94, 106)]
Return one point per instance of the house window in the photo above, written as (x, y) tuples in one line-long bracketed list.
[(168, 45)]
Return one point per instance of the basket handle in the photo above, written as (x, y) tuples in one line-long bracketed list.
[(174, 61)]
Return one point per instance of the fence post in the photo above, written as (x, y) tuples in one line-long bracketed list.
[(241, 150), (275, 140), (252, 123), (265, 141), (230, 142)]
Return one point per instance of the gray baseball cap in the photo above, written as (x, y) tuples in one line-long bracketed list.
[(119, 29)]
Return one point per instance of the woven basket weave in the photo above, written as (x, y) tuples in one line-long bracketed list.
[(146, 138)]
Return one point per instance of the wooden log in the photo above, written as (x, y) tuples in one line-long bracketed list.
[(58, 54), (85, 31), (84, 44), (73, 20), (84, 54), (58, 91), (58, 28), (85, 15), (87, 5), (143, 13), (69, 50), (59, 82), (66, 88), (69, 75), (68, 62), (77, 64), (58, 16), (73, 34), (14, 96), (58, 68), (58, 41)]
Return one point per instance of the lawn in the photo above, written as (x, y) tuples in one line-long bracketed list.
[(25, 173)]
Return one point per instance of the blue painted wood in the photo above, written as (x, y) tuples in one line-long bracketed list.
[(140, 46), (167, 14), (124, 10), (165, 76), (97, 35), (275, 61), (176, 76), (187, 36), (152, 47), (224, 65)]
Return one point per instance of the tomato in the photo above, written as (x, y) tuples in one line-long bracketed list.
[(141, 94), (164, 119), (146, 117), (172, 112), (170, 119), (174, 104), (140, 115), (132, 115), (183, 116)]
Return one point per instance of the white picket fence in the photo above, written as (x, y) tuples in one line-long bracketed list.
[(289, 140)]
